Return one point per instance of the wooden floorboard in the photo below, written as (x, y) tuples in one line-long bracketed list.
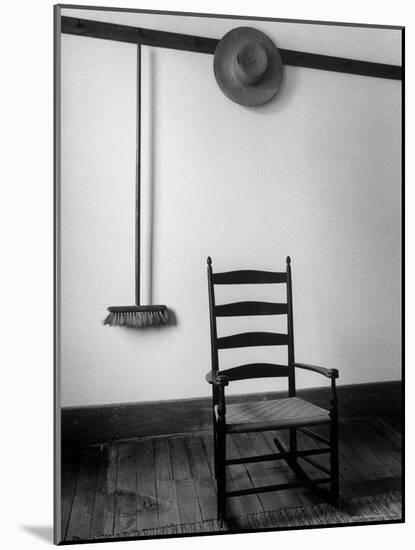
[(168, 507), (387, 431), (147, 501), (207, 441), (156, 482), (70, 472), (395, 421), (80, 520), (179, 458), (386, 453), (162, 459), (104, 504), (385, 478), (188, 501), (125, 512), (198, 462), (206, 494)]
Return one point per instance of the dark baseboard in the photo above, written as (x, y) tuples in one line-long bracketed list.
[(101, 424)]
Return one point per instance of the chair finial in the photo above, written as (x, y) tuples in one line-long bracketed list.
[(288, 260), (209, 260)]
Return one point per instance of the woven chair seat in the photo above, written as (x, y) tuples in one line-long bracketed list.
[(274, 414)]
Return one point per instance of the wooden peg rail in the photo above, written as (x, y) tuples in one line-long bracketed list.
[(200, 44)]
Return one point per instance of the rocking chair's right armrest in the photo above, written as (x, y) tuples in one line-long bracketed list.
[(329, 373), (216, 379)]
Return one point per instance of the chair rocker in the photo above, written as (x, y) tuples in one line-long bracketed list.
[(290, 413)]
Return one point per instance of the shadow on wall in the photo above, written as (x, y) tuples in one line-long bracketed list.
[(284, 97)]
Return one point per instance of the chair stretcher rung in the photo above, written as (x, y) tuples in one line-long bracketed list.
[(276, 456), (279, 487)]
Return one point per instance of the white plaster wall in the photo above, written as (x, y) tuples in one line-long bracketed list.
[(315, 174)]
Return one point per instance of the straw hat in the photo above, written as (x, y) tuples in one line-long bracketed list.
[(248, 67)]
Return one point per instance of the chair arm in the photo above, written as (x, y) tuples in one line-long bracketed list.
[(217, 379), (329, 373)]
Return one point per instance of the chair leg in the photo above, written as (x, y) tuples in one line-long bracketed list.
[(293, 446), (334, 460), (221, 473), (215, 448)]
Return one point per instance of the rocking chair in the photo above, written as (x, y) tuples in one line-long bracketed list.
[(290, 413)]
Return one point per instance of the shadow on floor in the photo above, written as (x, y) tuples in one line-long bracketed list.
[(43, 532)]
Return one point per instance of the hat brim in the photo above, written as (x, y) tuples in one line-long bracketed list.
[(226, 50)]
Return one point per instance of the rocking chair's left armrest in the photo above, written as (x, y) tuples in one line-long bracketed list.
[(329, 373), (216, 379)]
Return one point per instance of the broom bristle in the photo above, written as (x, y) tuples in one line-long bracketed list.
[(137, 319)]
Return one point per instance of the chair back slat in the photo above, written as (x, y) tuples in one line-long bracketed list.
[(255, 370), (247, 339), (249, 276), (250, 308)]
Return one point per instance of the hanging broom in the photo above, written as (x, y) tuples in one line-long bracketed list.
[(137, 316)]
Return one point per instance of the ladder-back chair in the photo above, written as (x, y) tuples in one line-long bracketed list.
[(290, 413)]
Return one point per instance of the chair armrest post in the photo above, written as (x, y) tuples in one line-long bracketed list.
[(333, 374), (221, 404), (218, 382), (333, 399)]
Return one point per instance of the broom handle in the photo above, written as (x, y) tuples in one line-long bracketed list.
[(138, 179), (145, 175)]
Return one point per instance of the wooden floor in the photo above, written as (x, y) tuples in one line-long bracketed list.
[(154, 482)]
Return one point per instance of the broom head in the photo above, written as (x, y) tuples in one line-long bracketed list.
[(136, 316)]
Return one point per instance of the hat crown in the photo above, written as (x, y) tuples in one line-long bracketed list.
[(251, 62)]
